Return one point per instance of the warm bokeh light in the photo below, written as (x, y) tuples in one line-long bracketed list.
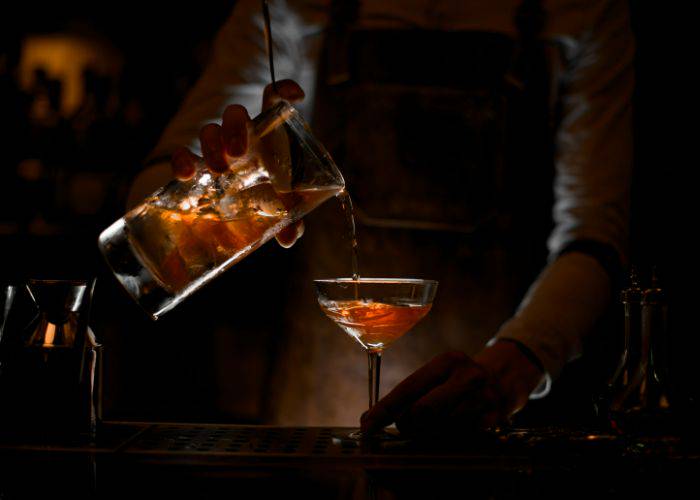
[(64, 57), (50, 335)]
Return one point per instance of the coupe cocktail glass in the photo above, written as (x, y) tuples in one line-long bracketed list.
[(189, 232), (375, 312)]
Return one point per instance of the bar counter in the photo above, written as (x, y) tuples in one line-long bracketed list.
[(205, 460)]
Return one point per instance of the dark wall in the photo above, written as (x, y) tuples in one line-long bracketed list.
[(49, 162), (665, 199)]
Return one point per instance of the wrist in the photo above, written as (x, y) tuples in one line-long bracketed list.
[(515, 372)]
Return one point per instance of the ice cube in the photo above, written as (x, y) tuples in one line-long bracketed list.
[(275, 153), (154, 235), (259, 200)]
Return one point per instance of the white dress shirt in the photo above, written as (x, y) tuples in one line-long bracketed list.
[(591, 47)]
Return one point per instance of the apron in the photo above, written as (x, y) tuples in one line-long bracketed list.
[(443, 139)]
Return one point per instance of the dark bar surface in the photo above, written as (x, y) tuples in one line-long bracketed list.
[(204, 460)]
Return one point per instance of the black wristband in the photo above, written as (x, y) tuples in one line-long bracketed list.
[(525, 350)]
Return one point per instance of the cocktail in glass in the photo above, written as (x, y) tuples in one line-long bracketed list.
[(375, 312), (189, 232)]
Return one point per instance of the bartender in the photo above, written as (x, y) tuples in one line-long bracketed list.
[(451, 121)]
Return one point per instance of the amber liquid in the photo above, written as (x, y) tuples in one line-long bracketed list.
[(375, 325), (346, 205), (181, 246)]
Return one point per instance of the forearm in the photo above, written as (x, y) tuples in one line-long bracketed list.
[(238, 69), (591, 188), (237, 73), (559, 309)]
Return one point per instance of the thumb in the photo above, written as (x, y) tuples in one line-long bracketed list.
[(288, 90)]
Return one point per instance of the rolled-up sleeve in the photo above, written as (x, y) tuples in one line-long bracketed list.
[(594, 137), (591, 191), (237, 72)]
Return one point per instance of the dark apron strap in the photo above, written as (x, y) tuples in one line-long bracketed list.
[(528, 70)]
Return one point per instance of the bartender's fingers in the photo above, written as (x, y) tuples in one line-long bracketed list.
[(289, 90), (234, 130), (290, 234), (213, 148), (488, 409), (432, 410), (466, 420), (184, 163), (404, 395)]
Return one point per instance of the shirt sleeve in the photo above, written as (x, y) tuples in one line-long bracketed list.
[(591, 191), (237, 72)]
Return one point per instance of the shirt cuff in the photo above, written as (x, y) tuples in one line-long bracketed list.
[(560, 308)]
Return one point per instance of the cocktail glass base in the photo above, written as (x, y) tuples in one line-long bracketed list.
[(356, 437)]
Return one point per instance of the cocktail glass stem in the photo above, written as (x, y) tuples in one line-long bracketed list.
[(374, 359)]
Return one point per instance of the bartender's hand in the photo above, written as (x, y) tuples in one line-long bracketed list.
[(223, 145), (455, 392)]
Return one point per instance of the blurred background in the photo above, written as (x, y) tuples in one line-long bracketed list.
[(86, 89)]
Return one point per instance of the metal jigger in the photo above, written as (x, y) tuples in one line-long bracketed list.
[(49, 362)]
